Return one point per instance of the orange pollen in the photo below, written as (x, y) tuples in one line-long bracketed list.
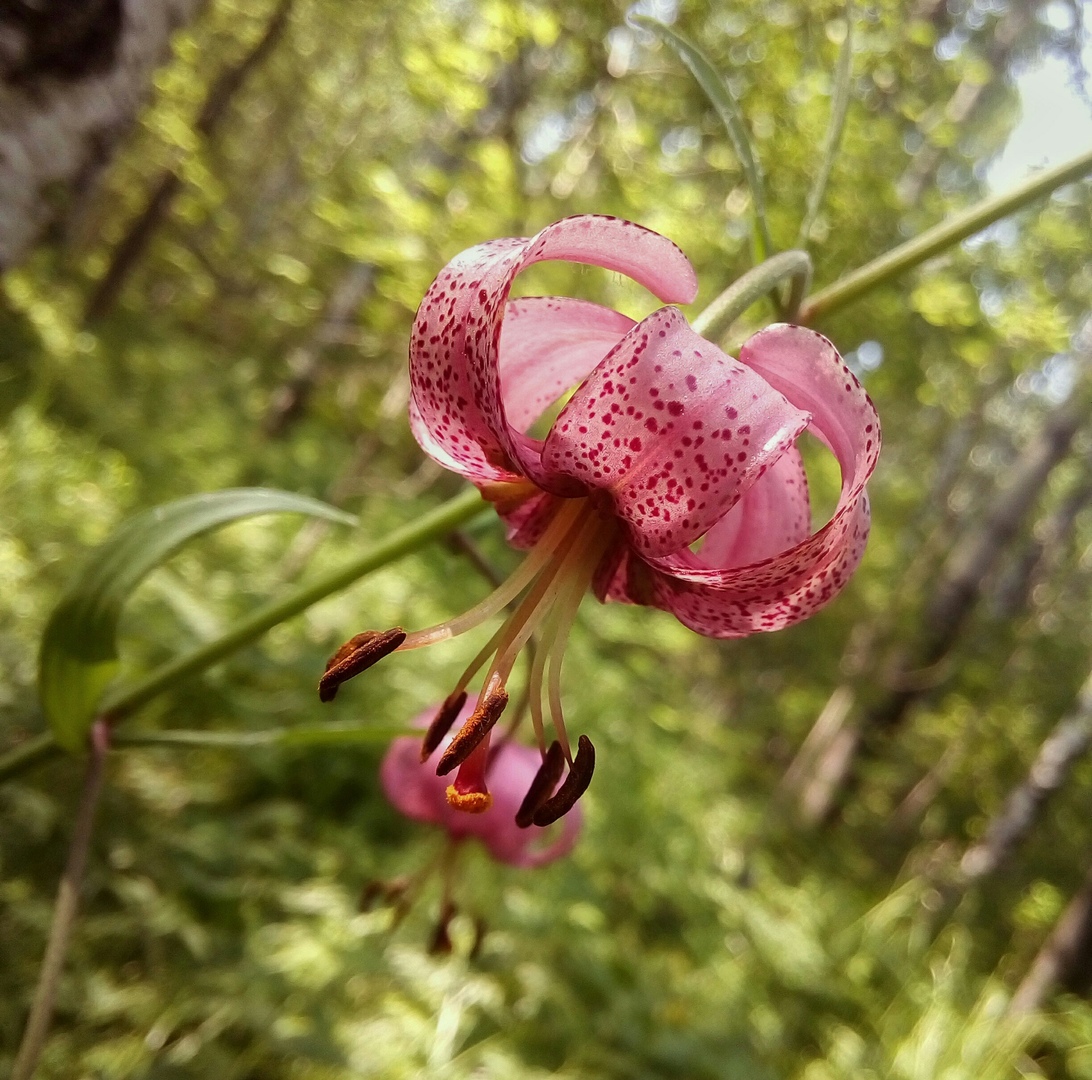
[(470, 802)]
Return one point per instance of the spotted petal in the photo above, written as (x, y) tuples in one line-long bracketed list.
[(673, 430), (734, 600), (458, 400)]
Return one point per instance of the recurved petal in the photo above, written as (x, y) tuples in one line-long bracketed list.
[(769, 595), (673, 430), (455, 348), (773, 515), (730, 601), (450, 416), (548, 345), (807, 369)]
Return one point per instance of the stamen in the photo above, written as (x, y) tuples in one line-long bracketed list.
[(358, 654), (474, 730), (542, 787), (576, 783), (441, 723), (539, 556)]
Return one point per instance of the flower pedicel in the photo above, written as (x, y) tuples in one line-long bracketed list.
[(666, 440)]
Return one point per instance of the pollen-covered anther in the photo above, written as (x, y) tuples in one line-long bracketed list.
[(473, 731), (542, 787), (358, 654), (576, 783), (469, 802), (441, 723)]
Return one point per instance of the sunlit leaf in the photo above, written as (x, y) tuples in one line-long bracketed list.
[(79, 653), (728, 108)]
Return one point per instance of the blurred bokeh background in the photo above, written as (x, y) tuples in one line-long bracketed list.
[(800, 856)]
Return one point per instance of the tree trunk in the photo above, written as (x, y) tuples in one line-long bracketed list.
[(73, 74), (1063, 747), (135, 242), (920, 666)]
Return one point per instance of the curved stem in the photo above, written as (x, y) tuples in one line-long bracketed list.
[(795, 266), (64, 912), (301, 735), (430, 526), (937, 239)]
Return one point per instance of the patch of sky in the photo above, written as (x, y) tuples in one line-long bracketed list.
[(1053, 380), (1056, 113), (868, 356), (665, 11), (679, 140), (547, 136)]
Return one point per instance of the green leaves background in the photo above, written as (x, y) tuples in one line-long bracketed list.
[(698, 930)]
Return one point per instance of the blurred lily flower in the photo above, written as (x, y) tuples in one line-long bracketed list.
[(666, 442), (413, 788)]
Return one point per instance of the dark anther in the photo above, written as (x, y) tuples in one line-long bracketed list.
[(441, 723), (357, 655), (542, 787), (576, 783), (473, 731)]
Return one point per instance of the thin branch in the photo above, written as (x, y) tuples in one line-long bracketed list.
[(1063, 955), (64, 912), (304, 363), (215, 107), (1067, 743), (933, 241)]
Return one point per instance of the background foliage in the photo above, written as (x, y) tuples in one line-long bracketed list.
[(712, 922)]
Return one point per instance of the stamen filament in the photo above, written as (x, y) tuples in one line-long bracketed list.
[(539, 557), (567, 608)]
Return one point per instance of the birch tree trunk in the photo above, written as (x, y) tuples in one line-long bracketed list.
[(72, 77)]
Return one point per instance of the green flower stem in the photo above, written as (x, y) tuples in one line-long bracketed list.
[(715, 320), (303, 735), (416, 534), (933, 241), (64, 911), (424, 530)]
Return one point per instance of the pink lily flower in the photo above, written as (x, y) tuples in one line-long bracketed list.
[(413, 788), (665, 442)]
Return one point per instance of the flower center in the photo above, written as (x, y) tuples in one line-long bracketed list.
[(549, 584)]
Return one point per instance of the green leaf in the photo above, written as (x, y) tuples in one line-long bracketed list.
[(728, 108), (79, 654)]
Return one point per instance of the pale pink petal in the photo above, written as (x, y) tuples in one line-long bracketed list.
[(673, 430), (454, 349), (773, 515), (548, 345), (404, 784), (790, 586), (615, 244)]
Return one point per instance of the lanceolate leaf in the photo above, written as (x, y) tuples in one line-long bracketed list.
[(79, 652), (728, 108)]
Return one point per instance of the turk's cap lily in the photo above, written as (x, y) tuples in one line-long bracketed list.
[(667, 438), (414, 789), (666, 443)]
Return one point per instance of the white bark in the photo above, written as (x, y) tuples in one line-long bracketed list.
[(59, 128)]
